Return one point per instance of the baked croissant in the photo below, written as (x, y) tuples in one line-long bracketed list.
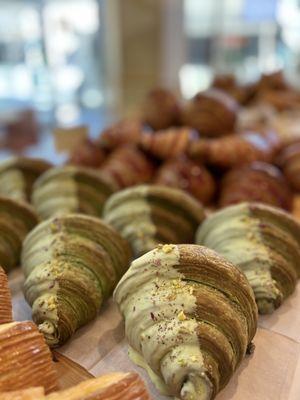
[(127, 166), (160, 109), (87, 154), (126, 131), (115, 386), (16, 220), (188, 175), (289, 162), (35, 393), (18, 174), (189, 318), (211, 113), (259, 182), (70, 189), (234, 149), (147, 215), (169, 143), (264, 242), (5, 299), (71, 264), (25, 359)]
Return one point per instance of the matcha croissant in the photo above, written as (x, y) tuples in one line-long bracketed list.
[(16, 220), (71, 264), (5, 299), (25, 359), (264, 242), (190, 317), (70, 189), (18, 174), (147, 215)]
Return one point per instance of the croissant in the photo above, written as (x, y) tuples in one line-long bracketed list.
[(16, 220), (35, 393), (169, 143), (160, 109), (127, 166), (259, 182), (71, 264), (188, 175), (211, 113), (289, 161), (264, 242), (124, 132), (18, 174), (189, 318), (5, 299), (147, 215), (227, 83), (234, 150), (70, 189), (88, 154), (25, 359)]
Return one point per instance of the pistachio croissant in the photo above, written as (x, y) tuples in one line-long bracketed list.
[(190, 316), (5, 299), (70, 189), (25, 359), (16, 220), (264, 242), (147, 215), (71, 264), (18, 174)]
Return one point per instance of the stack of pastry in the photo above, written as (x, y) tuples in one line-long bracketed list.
[(25, 359), (5, 299), (70, 189), (127, 166), (189, 318), (168, 143), (289, 161), (264, 242), (211, 113), (188, 175), (115, 386), (259, 182), (71, 264), (160, 109), (18, 174), (16, 220), (147, 215)]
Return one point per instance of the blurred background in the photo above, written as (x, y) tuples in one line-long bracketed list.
[(70, 62)]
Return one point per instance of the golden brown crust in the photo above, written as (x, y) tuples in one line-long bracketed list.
[(25, 358), (289, 161), (5, 299), (127, 131), (37, 393), (88, 154)]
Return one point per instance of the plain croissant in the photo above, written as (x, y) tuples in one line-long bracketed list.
[(264, 242), (190, 316), (72, 264)]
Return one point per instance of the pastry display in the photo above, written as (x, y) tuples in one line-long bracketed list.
[(264, 242), (16, 220), (70, 189), (5, 299), (147, 215), (168, 143), (18, 174), (188, 175), (88, 154), (211, 113), (115, 386), (257, 181), (25, 359), (160, 109), (127, 166), (236, 149), (71, 264), (289, 161), (126, 131), (190, 317)]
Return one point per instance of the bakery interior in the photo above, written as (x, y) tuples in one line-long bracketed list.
[(149, 199)]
